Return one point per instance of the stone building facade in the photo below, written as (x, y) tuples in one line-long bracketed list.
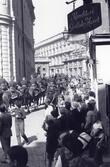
[(71, 56), (16, 39), (63, 56)]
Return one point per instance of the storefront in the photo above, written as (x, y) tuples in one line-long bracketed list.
[(100, 58)]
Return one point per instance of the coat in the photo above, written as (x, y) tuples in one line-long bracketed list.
[(5, 125)]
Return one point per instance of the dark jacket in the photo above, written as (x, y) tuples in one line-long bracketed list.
[(69, 121), (75, 120), (5, 125)]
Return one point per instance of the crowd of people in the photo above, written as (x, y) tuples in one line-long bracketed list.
[(72, 122), (73, 128), (28, 91), (15, 97)]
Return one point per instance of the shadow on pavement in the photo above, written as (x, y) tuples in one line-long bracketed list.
[(31, 139), (36, 155)]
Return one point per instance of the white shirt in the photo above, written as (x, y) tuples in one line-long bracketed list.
[(48, 110)]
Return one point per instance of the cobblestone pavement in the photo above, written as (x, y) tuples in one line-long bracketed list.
[(36, 148)]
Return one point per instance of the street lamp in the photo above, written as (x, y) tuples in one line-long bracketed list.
[(65, 34), (69, 2), (85, 2)]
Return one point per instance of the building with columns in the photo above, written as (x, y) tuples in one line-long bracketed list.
[(70, 56), (62, 55), (16, 39)]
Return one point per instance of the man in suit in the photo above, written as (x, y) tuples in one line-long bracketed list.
[(5, 130)]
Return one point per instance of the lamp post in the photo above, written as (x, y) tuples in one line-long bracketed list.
[(69, 2), (85, 2)]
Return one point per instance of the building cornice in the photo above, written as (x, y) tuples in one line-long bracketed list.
[(60, 36), (59, 65), (49, 40), (5, 19), (42, 61), (61, 53), (75, 59)]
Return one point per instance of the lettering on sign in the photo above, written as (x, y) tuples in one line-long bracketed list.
[(84, 19)]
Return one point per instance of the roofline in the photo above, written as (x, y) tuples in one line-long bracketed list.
[(49, 40), (54, 38)]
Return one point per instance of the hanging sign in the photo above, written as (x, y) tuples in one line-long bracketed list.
[(84, 18)]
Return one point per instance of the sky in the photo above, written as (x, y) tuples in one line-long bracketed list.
[(51, 17)]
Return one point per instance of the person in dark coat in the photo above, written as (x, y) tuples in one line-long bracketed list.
[(70, 119), (90, 116), (5, 130), (75, 117), (51, 129), (51, 141), (75, 120)]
